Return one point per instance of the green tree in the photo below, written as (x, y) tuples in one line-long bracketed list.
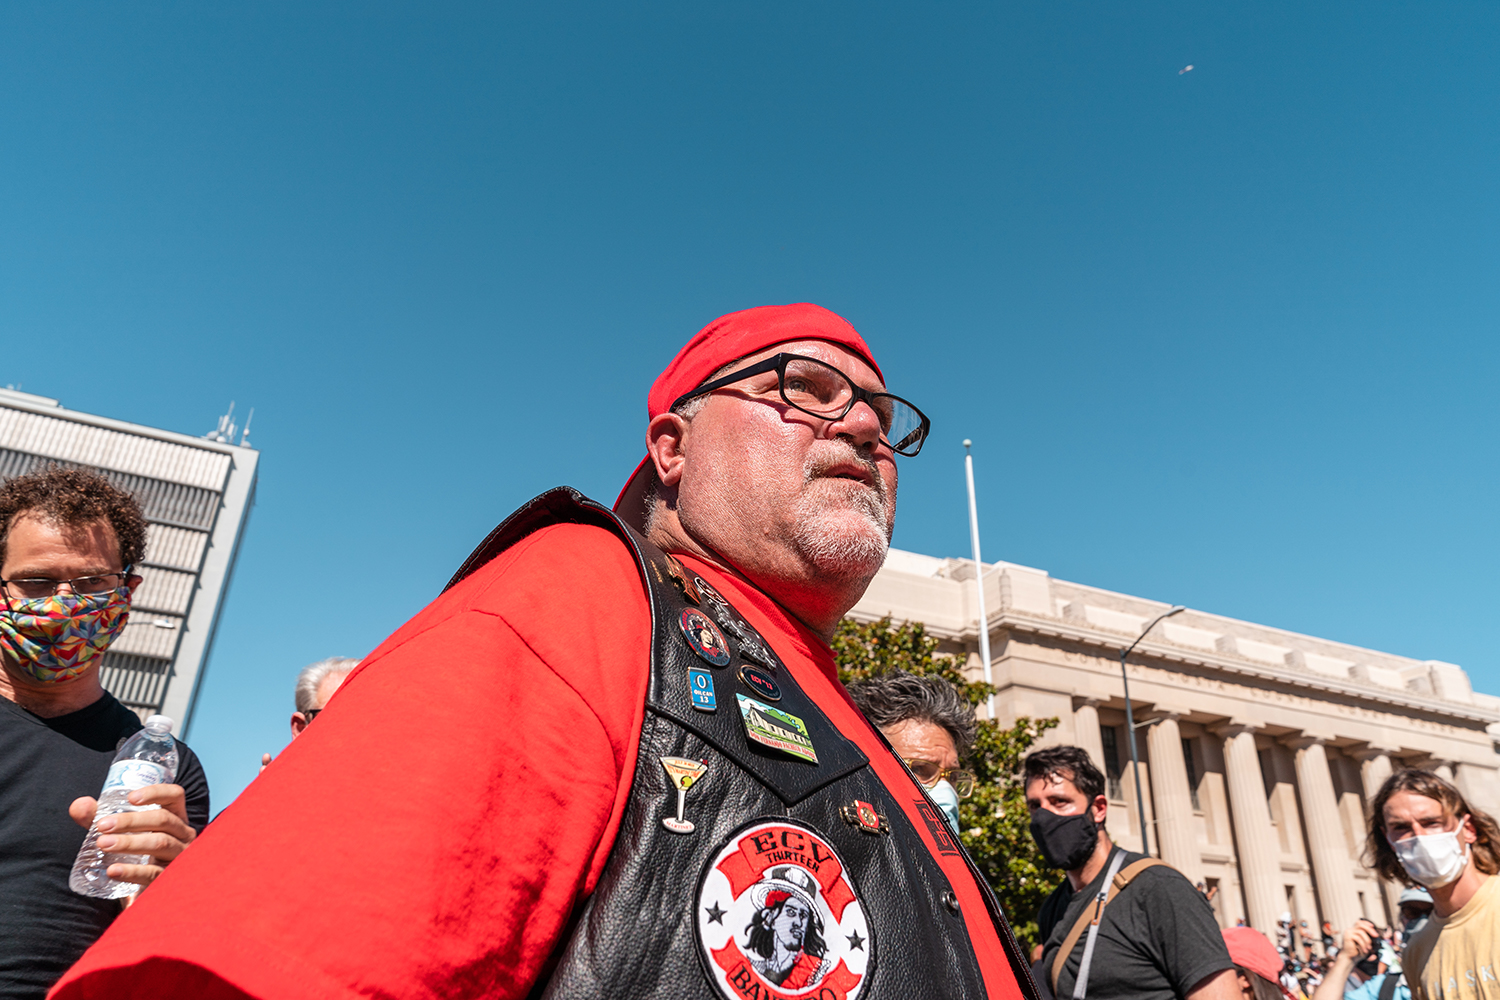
[(994, 818)]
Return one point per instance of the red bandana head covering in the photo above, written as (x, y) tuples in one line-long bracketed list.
[(1253, 952), (725, 340)]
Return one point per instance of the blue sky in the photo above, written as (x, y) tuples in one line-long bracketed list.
[(1223, 338)]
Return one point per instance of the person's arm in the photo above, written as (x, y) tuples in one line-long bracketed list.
[(1357, 943), (1185, 940), (434, 832), (160, 833), (1222, 985)]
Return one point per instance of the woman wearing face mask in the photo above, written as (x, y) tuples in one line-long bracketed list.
[(1423, 832)]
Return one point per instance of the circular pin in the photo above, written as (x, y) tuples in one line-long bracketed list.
[(704, 636), (760, 682)]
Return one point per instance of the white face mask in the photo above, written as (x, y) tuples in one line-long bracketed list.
[(1434, 860), (946, 797)]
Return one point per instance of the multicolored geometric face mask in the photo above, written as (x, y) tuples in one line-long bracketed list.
[(57, 638)]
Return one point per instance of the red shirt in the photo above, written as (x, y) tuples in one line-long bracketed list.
[(431, 834)]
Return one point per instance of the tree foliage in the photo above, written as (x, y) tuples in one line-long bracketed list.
[(994, 819)]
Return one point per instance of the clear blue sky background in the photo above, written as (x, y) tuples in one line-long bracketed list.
[(1224, 338)]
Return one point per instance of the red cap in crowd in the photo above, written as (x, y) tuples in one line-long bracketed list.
[(727, 339), (1251, 951)]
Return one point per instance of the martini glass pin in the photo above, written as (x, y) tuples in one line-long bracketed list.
[(684, 774)]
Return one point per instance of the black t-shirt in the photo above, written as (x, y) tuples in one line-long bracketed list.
[(1158, 938), (44, 765)]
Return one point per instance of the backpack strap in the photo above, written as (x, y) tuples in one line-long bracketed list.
[(1090, 917), (1390, 983)]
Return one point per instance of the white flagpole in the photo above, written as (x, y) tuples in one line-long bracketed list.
[(984, 621)]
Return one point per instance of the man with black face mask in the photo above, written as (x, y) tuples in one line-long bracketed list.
[(1155, 939)]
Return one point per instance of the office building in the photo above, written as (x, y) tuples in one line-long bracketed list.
[(196, 494)]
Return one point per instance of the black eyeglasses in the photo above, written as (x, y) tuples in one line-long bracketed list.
[(32, 588), (311, 714), (819, 389)]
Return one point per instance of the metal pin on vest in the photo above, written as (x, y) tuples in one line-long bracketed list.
[(683, 773), (701, 686), (863, 815), (753, 645), (704, 637), (682, 580)]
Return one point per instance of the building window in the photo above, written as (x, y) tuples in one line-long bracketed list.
[(1192, 772), (1211, 893), (1111, 738)]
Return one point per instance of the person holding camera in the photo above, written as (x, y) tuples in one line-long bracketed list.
[(1360, 956)]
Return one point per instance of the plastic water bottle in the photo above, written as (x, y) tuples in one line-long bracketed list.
[(147, 758)]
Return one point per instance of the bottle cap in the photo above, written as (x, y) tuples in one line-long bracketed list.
[(159, 724)]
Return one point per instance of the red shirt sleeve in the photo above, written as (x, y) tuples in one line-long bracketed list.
[(432, 832)]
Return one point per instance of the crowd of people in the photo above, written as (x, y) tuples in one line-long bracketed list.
[(649, 781), (1361, 963)]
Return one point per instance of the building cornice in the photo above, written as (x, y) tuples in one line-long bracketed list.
[(1071, 630)]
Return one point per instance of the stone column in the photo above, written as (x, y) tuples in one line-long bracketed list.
[(1255, 841), (1325, 833), (1374, 767), (1086, 731), (1176, 831)]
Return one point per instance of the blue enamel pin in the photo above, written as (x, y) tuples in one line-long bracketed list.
[(701, 683)]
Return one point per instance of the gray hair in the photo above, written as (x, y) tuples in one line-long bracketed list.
[(891, 698), (311, 677), (686, 411)]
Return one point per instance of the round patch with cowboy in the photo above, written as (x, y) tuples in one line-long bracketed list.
[(704, 637), (778, 918)]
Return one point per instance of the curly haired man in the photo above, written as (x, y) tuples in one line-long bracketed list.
[(69, 541)]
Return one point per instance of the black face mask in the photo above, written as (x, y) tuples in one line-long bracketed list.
[(1066, 841)]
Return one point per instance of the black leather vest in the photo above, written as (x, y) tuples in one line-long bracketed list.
[(641, 933)]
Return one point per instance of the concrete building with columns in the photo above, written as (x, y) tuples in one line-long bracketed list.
[(1259, 748)]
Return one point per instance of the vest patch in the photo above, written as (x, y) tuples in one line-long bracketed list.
[(778, 918), (704, 636)]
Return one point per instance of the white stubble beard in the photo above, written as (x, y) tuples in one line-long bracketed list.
[(824, 535)]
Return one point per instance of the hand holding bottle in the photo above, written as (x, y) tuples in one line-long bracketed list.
[(133, 824), (161, 833)]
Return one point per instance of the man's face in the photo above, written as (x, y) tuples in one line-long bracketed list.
[(920, 739), (791, 923), (1415, 911), (326, 687), (779, 492), (1059, 795), (1408, 814), (36, 548)]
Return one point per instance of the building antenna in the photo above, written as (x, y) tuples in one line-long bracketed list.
[(245, 437), (224, 433)]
